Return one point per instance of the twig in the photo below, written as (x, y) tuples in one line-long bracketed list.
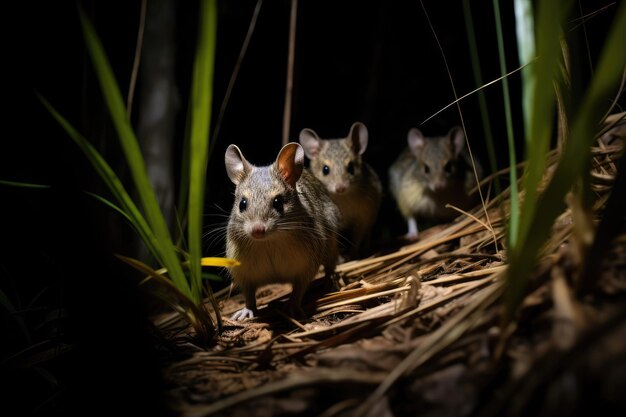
[(290, 61), (133, 75), (233, 77), (477, 90)]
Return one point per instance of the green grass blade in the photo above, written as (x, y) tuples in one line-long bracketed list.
[(110, 178), (24, 184), (550, 18), (542, 99), (112, 206), (196, 314), (6, 303), (201, 98), (525, 33), (132, 152), (574, 160), (482, 101), (140, 227), (183, 186), (514, 213), (212, 277)]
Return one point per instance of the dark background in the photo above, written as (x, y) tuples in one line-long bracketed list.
[(372, 61)]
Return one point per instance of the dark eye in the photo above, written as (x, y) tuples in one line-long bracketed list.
[(448, 168), (326, 170), (279, 204), (350, 168), (243, 205), (426, 169)]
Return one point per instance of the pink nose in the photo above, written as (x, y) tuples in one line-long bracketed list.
[(258, 231), (341, 188), (438, 186)]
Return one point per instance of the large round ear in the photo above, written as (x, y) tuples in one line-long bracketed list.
[(359, 137), (290, 163), (237, 167), (457, 138), (415, 140), (310, 142)]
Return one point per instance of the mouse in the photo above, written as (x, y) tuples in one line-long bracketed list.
[(430, 173), (282, 226), (353, 184)]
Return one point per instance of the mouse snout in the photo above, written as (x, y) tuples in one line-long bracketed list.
[(438, 185), (341, 188), (257, 230)]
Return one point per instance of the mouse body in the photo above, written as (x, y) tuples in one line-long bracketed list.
[(353, 184), (282, 226), (430, 173)]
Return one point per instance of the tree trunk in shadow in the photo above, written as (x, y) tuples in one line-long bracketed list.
[(158, 105)]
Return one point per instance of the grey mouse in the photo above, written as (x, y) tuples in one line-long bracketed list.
[(282, 226), (353, 185), (430, 173)]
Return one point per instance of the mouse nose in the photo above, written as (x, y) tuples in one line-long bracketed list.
[(258, 230), (341, 188), (438, 185)]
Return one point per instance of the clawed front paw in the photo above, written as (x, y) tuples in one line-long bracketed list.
[(244, 313)]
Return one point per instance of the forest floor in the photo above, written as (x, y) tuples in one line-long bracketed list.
[(419, 331)]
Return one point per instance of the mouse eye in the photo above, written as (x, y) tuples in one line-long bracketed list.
[(279, 204), (243, 205), (448, 168), (426, 169), (350, 168), (326, 170)]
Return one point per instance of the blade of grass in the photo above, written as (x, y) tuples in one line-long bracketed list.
[(458, 100), (23, 184), (482, 101), (514, 208), (542, 100), (113, 98), (140, 227), (201, 99), (6, 303), (198, 317), (212, 277), (610, 68), (540, 93), (525, 33), (181, 210), (110, 178)]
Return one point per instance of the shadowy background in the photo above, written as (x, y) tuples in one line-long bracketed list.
[(372, 61)]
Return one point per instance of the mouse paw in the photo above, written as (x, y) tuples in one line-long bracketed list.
[(244, 313), (413, 230)]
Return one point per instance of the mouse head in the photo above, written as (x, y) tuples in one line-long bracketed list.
[(438, 157), (264, 196), (336, 163)]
